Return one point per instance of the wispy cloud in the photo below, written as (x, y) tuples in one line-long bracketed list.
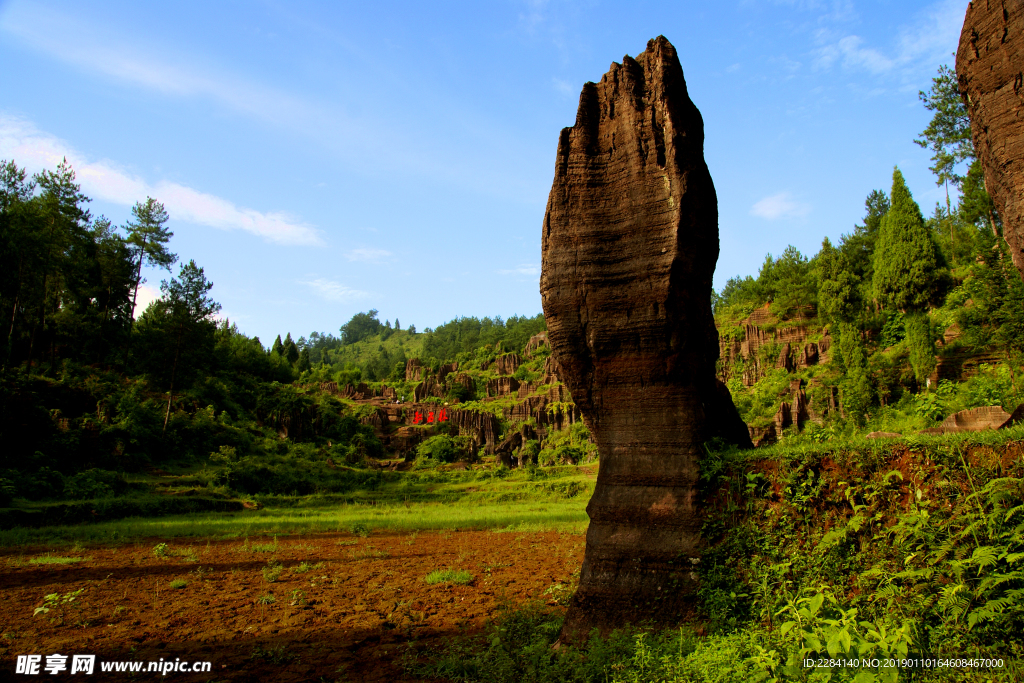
[(778, 206), (368, 255), (330, 290), (927, 40), (523, 269), (564, 87), (86, 47), (104, 179)]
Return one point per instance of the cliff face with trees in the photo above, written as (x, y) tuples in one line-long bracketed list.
[(904, 321)]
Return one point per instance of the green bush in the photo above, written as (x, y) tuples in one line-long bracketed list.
[(94, 483)]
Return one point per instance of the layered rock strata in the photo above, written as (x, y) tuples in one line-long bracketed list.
[(990, 75), (630, 241)]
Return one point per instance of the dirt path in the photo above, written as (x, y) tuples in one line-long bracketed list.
[(343, 607)]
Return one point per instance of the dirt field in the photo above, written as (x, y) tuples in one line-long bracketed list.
[(343, 607)]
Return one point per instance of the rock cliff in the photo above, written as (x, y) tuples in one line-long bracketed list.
[(629, 243), (990, 74)]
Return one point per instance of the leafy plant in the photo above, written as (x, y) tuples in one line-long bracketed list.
[(59, 602)]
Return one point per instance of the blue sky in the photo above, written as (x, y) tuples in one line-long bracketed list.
[(323, 158)]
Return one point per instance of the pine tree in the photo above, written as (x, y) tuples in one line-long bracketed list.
[(838, 291), (289, 350), (907, 261), (278, 347)]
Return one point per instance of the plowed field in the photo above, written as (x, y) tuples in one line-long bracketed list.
[(332, 607)]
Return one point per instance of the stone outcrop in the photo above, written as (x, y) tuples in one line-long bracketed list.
[(465, 381), (990, 75), (796, 353), (507, 364), (413, 370), (484, 428), (536, 342), (973, 420), (629, 243), (502, 386), (428, 387)]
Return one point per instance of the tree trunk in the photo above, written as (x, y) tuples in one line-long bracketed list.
[(174, 374), (135, 299)]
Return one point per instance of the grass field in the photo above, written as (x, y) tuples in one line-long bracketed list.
[(543, 500)]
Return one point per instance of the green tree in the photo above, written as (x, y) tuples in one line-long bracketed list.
[(855, 386), (188, 319), (361, 326), (277, 347), (148, 238), (838, 286), (304, 363), (290, 351), (948, 134), (858, 247), (795, 282), (907, 262)]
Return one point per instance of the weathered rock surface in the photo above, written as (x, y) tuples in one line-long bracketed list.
[(507, 364), (976, 420), (413, 370), (796, 353), (990, 74), (630, 241), (484, 428), (536, 342), (502, 386)]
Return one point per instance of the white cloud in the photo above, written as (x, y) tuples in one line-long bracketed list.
[(146, 296), (523, 269), (926, 41), (104, 179), (334, 291), (87, 47), (368, 255), (778, 206)]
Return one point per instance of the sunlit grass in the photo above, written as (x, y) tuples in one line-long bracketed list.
[(455, 576), (511, 504), (54, 559)]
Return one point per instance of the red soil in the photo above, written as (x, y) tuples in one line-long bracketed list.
[(354, 621)]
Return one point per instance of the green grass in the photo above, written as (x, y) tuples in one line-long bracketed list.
[(54, 559), (484, 498), (178, 584), (456, 576)]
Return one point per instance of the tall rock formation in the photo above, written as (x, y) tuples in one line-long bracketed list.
[(990, 75), (630, 241)]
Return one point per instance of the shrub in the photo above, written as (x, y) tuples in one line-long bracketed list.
[(456, 576)]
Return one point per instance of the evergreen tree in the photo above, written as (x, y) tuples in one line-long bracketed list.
[(855, 386), (277, 347), (148, 238), (948, 134), (907, 262), (290, 351), (858, 247), (838, 288), (795, 281), (304, 363)]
